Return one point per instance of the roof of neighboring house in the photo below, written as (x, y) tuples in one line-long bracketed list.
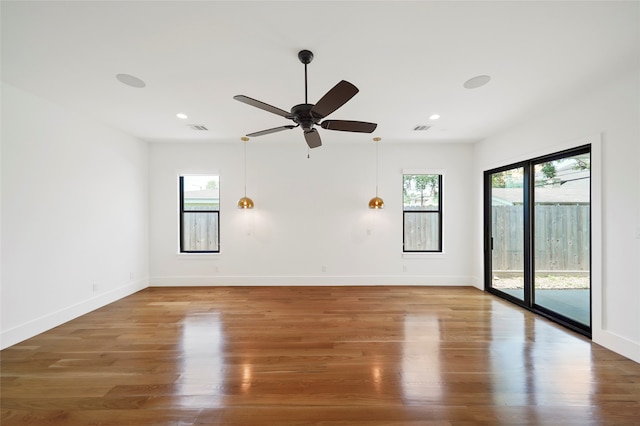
[(203, 194), (569, 188)]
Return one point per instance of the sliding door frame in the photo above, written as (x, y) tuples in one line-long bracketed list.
[(528, 301)]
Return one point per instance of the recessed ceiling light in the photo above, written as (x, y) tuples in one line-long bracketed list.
[(434, 117), (477, 81), (181, 115), (130, 80)]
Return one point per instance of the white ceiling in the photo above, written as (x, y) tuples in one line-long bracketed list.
[(409, 60)]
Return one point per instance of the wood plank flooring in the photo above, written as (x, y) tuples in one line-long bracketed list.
[(315, 355)]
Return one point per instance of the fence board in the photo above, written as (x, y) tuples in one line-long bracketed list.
[(200, 232), (421, 231), (561, 240)]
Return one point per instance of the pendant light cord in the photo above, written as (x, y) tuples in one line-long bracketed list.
[(376, 168), (245, 168)]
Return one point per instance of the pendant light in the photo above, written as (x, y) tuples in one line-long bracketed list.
[(245, 202), (376, 202)]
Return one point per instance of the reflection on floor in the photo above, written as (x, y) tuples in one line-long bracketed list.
[(332, 356)]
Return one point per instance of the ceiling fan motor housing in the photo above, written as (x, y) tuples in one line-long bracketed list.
[(301, 114)]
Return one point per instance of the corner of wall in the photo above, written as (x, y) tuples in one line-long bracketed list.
[(46, 322)]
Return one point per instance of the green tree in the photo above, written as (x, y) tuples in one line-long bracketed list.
[(424, 185), (549, 170), (498, 180), (212, 184), (582, 164)]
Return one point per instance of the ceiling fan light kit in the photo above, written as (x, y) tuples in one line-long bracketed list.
[(308, 115)]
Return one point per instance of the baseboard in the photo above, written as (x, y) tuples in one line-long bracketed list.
[(621, 345), (477, 283), (46, 322), (308, 280)]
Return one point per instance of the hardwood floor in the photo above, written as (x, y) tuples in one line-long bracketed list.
[(315, 355)]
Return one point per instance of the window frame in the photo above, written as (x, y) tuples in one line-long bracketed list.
[(181, 214), (438, 212)]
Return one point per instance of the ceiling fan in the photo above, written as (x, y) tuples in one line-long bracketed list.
[(307, 115)]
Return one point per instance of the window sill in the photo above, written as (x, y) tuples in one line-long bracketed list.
[(417, 255), (198, 256)]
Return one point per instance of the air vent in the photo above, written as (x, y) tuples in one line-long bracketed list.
[(421, 128), (197, 127)]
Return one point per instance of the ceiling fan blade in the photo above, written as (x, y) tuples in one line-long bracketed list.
[(258, 104), (313, 138), (349, 126), (275, 129), (334, 99)]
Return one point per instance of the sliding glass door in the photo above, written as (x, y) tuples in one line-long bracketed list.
[(538, 236), (562, 243), (507, 231)]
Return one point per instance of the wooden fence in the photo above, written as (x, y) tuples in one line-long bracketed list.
[(561, 240), (200, 231), (421, 231)]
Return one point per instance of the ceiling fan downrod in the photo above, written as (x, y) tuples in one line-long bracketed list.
[(305, 56)]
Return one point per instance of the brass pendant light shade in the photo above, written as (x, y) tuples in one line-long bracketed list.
[(245, 202), (376, 202)]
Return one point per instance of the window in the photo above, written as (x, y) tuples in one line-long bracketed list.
[(199, 214), (422, 212)]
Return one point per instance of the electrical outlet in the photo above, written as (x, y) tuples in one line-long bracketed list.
[(404, 268), (323, 268), (96, 287), (131, 275), (638, 232)]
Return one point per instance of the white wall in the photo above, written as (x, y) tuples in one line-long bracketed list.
[(610, 112), (309, 214), (74, 214)]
